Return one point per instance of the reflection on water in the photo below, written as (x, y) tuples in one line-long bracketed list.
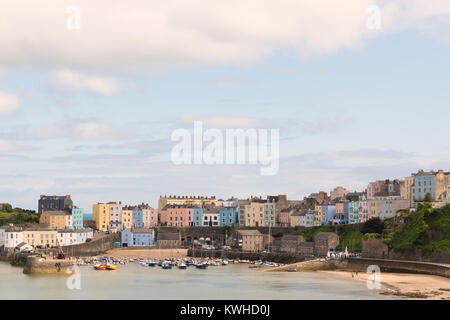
[(222, 282)]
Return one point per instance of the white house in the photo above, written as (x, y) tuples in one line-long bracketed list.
[(2, 235), (67, 237), (210, 218), (23, 246), (13, 236)]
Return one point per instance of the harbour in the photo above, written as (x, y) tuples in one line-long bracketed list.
[(135, 281)]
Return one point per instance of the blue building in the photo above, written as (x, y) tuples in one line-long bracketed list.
[(139, 237), (424, 182), (137, 218), (77, 218), (228, 216), (198, 212), (328, 212)]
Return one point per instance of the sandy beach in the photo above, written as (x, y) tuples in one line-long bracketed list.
[(407, 285), (146, 253)]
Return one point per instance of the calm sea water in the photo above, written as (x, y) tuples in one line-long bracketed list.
[(134, 281)]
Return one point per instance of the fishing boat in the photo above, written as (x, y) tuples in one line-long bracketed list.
[(160, 263), (166, 266), (224, 262), (151, 264), (110, 267), (182, 266), (99, 267), (201, 266), (253, 266)]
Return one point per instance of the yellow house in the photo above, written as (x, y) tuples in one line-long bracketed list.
[(318, 215), (56, 219), (254, 214), (373, 209), (127, 218), (40, 237), (100, 214)]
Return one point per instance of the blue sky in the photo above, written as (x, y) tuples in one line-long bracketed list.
[(353, 107)]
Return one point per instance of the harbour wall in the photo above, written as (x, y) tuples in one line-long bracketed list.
[(15, 258), (271, 256), (386, 265), (376, 248), (33, 265), (92, 248)]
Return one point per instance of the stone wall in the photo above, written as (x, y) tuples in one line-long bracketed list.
[(49, 266), (376, 248), (387, 265), (272, 256)]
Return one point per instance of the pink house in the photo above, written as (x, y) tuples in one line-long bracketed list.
[(150, 217), (284, 218), (180, 216)]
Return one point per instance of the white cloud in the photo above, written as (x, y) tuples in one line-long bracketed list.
[(89, 131), (6, 147), (133, 35), (9, 102), (77, 130), (224, 121), (68, 79)]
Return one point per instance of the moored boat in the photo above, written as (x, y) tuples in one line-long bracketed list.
[(110, 267), (99, 267)]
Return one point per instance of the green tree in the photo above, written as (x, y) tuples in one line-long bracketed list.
[(428, 197), (374, 225)]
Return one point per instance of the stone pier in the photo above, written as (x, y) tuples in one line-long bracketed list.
[(35, 265)]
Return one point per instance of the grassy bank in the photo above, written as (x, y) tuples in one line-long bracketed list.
[(426, 229), (18, 216)]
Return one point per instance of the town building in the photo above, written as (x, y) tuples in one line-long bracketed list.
[(306, 249), (281, 203), (167, 240), (77, 218), (127, 218), (67, 237), (294, 219), (338, 193), (139, 237), (341, 215), (56, 219), (12, 237), (284, 217), (189, 201), (41, 237), (254, 213), (180, 215), (211, 216), (434, 183), (198, 219), (306, 218), (58, 203), (269, 214), (249, 240), (228, 215), (353, 212), (291, 243), (363, 210), (242, 213), (115, 215), (101, 215), (324, 241)]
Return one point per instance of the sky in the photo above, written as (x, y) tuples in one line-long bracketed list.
[(90, 94)]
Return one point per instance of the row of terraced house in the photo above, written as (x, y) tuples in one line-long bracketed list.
[(382, 199)]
